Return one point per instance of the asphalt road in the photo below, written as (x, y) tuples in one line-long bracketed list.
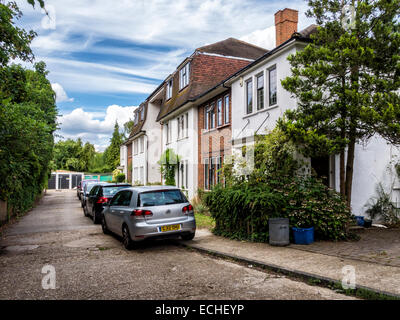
[(91, 265)]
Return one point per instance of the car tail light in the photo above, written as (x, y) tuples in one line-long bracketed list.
[(102, 200), (141, 213), (186, 209)]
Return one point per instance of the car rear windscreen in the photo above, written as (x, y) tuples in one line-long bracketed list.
[(110, 191), (161, 198)]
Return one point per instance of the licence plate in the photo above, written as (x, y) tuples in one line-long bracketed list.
[(172, 227)]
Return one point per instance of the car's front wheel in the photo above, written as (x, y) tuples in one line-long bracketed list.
[(104, 225), (187, 236), (126, 238)]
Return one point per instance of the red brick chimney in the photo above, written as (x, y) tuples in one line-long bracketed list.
[(285, 24)]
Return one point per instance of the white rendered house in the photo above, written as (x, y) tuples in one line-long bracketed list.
[(259, 100)]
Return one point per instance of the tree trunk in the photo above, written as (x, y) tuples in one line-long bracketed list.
[(349, 171), (342, 174)]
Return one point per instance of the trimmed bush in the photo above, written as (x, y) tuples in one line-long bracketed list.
[(242, 210), (120, 177)]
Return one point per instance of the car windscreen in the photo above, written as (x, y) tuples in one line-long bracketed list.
[(110, 191), (89, 187), (161, 198)]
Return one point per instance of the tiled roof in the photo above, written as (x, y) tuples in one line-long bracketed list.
[(138, 127), (209, 66), (235, 48), (311, 29)]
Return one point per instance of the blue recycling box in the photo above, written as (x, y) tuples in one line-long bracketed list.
[(303, 235)]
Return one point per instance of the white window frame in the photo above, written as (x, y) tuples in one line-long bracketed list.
[(226, 109), (168, 93), (168, 131), (206, 117), (261, 74), (141, 144), (141, 175), (219, 113), (247, 91), (269, 85), (184, 75), (135, 147), (206, 167)]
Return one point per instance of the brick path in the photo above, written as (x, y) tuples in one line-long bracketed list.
[(376, 245)]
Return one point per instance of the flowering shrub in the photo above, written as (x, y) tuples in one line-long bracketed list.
[(242, 210)]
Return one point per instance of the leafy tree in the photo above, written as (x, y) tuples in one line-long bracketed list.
[(346, 82), (14, 41), (26, 136), (128, 126), (72, 155), (169, 161), (111, 154)]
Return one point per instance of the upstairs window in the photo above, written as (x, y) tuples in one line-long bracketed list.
[(206, 117), (260, 91), (168, 131), (226, 109), (142, 114), (169, 89), (141, 144), (219, 112), (249, 95), (272, 86), (136, 120), (135, 147), (184, 74), (182, 122), (212, 117), (186, 131)]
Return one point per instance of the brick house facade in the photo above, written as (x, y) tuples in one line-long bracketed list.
[(214, 134)]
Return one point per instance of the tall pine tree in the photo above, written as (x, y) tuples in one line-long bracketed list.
[(346, 81), (111, 154)]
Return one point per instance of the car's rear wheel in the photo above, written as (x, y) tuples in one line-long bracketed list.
[(84, 211), (126, 238), (104, 226), (95, 216), (188, 236)]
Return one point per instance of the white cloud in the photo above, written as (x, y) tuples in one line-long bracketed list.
[(157, 35), (61, 95), (82, 124), (264, 38)]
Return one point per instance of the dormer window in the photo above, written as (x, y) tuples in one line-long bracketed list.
[(184, 74), (136, 120), (142, 114), (169, 89)]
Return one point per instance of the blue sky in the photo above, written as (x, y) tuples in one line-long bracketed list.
[(105, 57)]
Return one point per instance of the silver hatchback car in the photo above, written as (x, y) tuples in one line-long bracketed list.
[(139, 213)]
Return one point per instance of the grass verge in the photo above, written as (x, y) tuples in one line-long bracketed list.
[(204, 221)]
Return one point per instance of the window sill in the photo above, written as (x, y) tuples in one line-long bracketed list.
[(181, 89), (217, 128), (184, 138), (260, 111)]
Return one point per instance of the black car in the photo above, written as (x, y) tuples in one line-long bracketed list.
[(99, 196), (78, 190)]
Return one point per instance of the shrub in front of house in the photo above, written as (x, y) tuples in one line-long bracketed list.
[(242, 210), (120, 177)]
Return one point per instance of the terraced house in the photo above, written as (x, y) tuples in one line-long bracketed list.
[(178, 101), (218, 99), (259, 100)]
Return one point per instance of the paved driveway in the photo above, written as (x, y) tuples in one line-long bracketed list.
[(90, 265)]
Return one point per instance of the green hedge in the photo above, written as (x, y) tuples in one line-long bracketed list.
[(242, 210)]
